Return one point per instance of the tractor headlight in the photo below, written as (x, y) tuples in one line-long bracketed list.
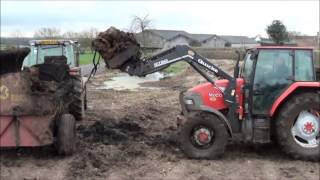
[(188, 101)]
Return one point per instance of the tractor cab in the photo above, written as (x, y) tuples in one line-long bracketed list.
[(269, 71), (40, 49)]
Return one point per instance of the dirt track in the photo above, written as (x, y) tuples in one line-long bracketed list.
[(132, 135)]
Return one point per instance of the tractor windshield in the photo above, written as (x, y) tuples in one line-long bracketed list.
[(39, 52)]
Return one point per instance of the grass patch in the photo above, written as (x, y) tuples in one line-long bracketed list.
[(176, 68), (86, 58)]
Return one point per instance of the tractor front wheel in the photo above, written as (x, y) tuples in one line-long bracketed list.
[(66, 134), (203, 136), (298, 126)]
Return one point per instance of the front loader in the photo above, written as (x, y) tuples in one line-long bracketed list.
[(274, 96)]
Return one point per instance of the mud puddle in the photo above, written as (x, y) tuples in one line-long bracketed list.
[(123, 81)]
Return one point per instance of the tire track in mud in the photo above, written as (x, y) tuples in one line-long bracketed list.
[(110, 142)]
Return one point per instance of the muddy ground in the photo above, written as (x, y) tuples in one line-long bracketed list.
[(131, 134)]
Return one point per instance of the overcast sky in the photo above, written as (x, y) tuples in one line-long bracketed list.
[(247, 18)]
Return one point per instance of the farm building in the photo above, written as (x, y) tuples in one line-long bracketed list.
[(168, 38), (294, 40), (304, 40)]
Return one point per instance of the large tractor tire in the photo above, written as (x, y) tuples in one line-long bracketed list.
[(79, 105), (203, 136), (298, 125), (66, 135)]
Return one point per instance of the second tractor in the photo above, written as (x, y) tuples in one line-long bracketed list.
[(273, 96)]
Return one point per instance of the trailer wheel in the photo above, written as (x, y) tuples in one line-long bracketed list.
[(66, 134), (203, 136), (298, 127), (79, 105)]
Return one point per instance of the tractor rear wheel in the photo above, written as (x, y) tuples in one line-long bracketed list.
[(203, 136), (79, 105), (66, 134), (298, 126)]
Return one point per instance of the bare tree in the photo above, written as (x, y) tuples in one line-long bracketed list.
[(90, 33), (86, 37), (139, 24), (70, 35), (17, 35), (51, 33)]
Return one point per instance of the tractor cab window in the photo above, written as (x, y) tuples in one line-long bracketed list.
[(52, 50), (39, 52), (247, 68), (303, 65), (273, 73)]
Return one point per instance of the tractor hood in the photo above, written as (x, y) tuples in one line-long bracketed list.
[(212, 95)]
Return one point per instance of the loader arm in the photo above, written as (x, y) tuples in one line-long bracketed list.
[(170, 56), (185, 53)]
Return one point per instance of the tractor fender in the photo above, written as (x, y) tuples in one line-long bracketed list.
[(199, 106), (219, 115), (291, 89)]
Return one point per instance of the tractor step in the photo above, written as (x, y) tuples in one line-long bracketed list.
[(261, 130)]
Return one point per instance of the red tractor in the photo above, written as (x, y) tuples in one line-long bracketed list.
[(275, 96)]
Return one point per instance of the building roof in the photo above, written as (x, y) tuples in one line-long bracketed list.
[(149, 44), (238, 39), (171, 34), (201, 37), (168, 34)]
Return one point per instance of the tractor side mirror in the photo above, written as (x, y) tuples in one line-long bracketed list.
[(254, 55)]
